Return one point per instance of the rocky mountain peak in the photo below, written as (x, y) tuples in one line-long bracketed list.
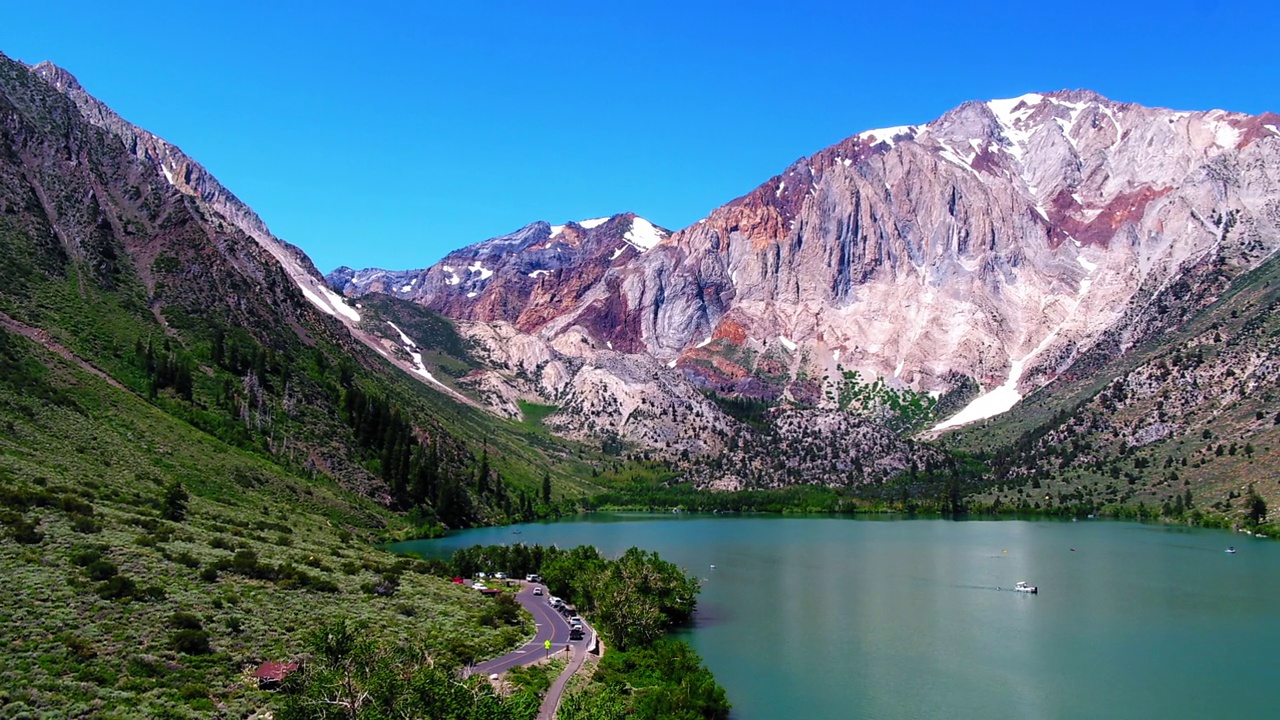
[(56, 76), (525, 277), (997, 243)]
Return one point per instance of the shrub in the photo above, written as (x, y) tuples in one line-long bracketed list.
[(25, 532), (84, 556), (185, 621), (119, 587), (187, 559), (190, 642), (79, 647), (73, 505), (85, 524), (173, 504), (101, 570), (245, 562), (503, 610)]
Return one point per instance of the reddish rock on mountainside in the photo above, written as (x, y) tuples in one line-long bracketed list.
[(999, 242)]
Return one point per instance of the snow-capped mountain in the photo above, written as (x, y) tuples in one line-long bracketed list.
[(527, 277), (995, 245)]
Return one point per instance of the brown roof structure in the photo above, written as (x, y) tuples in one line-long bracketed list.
[(271, 674)]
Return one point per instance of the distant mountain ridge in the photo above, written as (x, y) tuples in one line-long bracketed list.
[(526, 278), (992, 247)]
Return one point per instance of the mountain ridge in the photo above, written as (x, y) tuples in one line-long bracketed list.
[(839, 309), (1018, 198)]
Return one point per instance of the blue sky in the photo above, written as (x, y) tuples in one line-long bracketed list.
[(386, 134)]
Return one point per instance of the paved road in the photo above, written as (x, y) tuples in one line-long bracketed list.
[(551, 702), (551, 626)]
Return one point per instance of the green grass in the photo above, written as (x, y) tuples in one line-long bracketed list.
[(534, 414), (87, 473)]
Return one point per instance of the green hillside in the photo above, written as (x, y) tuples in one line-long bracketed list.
[(1183, 426), (150, 566)]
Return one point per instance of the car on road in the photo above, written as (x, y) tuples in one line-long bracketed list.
[(500, 576), (533, 577), (554, 601), (575, 620), (575, 633), (537, 591)]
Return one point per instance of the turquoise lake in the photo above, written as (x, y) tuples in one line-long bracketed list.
[(856, 618)]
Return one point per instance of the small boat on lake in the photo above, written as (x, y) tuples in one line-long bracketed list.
[(1025, 588), (1231, 550)]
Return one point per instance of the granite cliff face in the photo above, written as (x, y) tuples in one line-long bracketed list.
[(994, 246), (999, 242)]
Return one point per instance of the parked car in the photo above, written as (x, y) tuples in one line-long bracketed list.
[(500, 576), (533, 577), (554, 601), (575, 620), (575, 632)]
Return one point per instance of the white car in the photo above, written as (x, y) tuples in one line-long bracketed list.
[(537, 591), (500, 576), (479, 586)]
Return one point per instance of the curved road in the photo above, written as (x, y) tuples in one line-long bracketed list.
[(551, 626)]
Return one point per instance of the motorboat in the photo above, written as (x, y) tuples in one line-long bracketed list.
[(1231, 550), (1025, 588)]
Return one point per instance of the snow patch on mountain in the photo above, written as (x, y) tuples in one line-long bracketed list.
[(643, 234), (329, 301), (412, 348), (990, 404), (888, 135), (1224, 134), (1012, 114), (478, 267)]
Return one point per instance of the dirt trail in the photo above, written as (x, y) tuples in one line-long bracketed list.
[(40, 336)]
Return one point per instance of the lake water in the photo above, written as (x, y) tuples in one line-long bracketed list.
[(842, 618)]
